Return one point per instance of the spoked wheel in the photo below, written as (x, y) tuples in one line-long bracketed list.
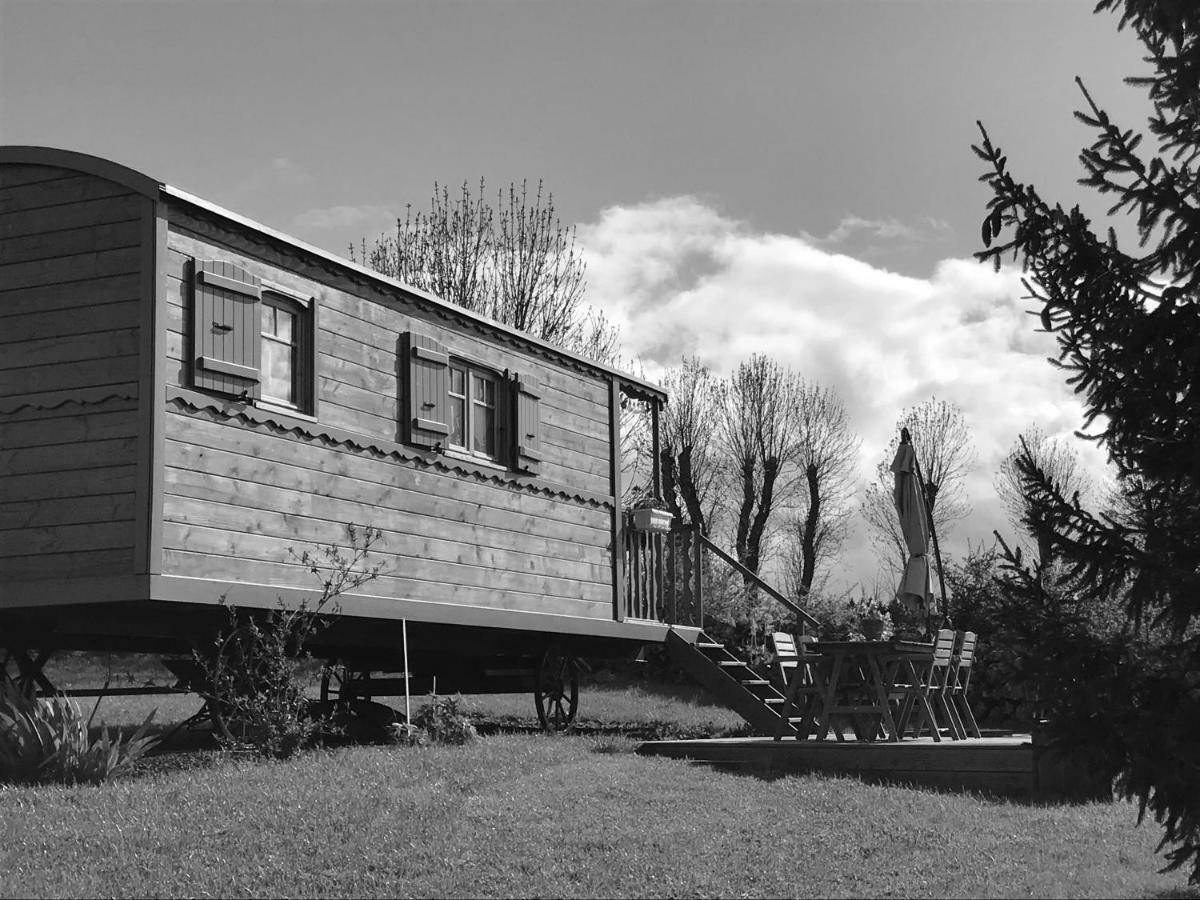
[(23, 669), (337, 681), (556, 690)]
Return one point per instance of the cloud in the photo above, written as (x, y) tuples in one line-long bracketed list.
[(925, 230), (331, 218), (679, 278)]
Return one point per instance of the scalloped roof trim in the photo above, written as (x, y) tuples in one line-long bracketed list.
[(82, 400)]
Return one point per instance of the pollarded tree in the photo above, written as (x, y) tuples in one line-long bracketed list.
[(825, 452), (688, 451), (514, 262), (757, 423), (1128, 330)]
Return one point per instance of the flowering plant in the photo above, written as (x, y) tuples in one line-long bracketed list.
[(869, 619), (641, 498)]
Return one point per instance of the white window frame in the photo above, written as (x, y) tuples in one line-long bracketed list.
[(304, 363), (469, 401)]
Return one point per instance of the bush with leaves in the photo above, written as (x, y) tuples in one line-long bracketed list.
[(258, 671), (1023, 640), (46, 741), (443, 722)]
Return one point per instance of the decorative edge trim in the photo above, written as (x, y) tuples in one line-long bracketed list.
[(220, 409), (87, 397)]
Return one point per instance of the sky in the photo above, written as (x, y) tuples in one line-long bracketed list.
[(789, 178)]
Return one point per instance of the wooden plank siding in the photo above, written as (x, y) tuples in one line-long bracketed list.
[(71, 256), (358, 381), (238, 498)]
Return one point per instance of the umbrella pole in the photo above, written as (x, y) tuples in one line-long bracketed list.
[(937, 550)]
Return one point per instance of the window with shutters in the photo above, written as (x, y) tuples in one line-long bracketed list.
[(472, 405), (253, 339), (464, 409)]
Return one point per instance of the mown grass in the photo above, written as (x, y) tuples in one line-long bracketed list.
[(530, 815), (527, 815)]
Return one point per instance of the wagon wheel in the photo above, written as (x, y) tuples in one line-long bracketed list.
[(556, 690), (25, 672), (337, 680)]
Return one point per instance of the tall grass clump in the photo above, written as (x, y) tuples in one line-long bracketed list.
[(46, 741)]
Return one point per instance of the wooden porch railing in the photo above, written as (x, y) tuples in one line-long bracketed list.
[(664, 577)]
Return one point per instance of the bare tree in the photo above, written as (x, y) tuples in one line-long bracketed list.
[(825, 452), (514, 262), (757, 425), (942, 442), (1060, 462), (688, 443)]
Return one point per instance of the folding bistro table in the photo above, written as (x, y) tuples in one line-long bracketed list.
[(854, 683)]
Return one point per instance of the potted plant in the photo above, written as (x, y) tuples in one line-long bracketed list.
[(651, 514), (872, 621)]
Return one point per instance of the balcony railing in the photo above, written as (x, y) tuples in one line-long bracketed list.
[(664, 577)]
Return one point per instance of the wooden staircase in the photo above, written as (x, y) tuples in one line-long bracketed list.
[(732, 681)]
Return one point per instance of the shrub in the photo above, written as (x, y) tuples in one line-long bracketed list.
[(256, 692), (46, 740), (1028, 643), (258, 672), (441, 720)]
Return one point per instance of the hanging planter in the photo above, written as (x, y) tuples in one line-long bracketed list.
[(650, 519)]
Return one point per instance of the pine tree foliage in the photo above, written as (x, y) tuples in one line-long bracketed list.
[(1128, 330)]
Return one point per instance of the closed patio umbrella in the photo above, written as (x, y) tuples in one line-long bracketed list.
[(914, 591)]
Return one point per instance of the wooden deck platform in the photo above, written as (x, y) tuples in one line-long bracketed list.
[(1006, 766)]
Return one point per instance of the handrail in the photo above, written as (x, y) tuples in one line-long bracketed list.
[(747, 574)]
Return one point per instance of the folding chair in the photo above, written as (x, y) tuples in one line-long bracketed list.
[(959, 681), (928, 692), (795, 667), (786, 658)]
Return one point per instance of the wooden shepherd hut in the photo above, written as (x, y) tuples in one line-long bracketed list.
[(188, 397)]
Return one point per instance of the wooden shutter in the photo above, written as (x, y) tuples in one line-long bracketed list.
[(226, 332), (428, 390), (528, 454)]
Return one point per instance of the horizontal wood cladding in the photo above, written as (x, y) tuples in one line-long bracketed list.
[(69, 287), (73, 562), (69, 495), (234, 572), (72, 255), (360, 375), (236, 501)]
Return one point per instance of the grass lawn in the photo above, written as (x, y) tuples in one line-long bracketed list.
[(530, 815)]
